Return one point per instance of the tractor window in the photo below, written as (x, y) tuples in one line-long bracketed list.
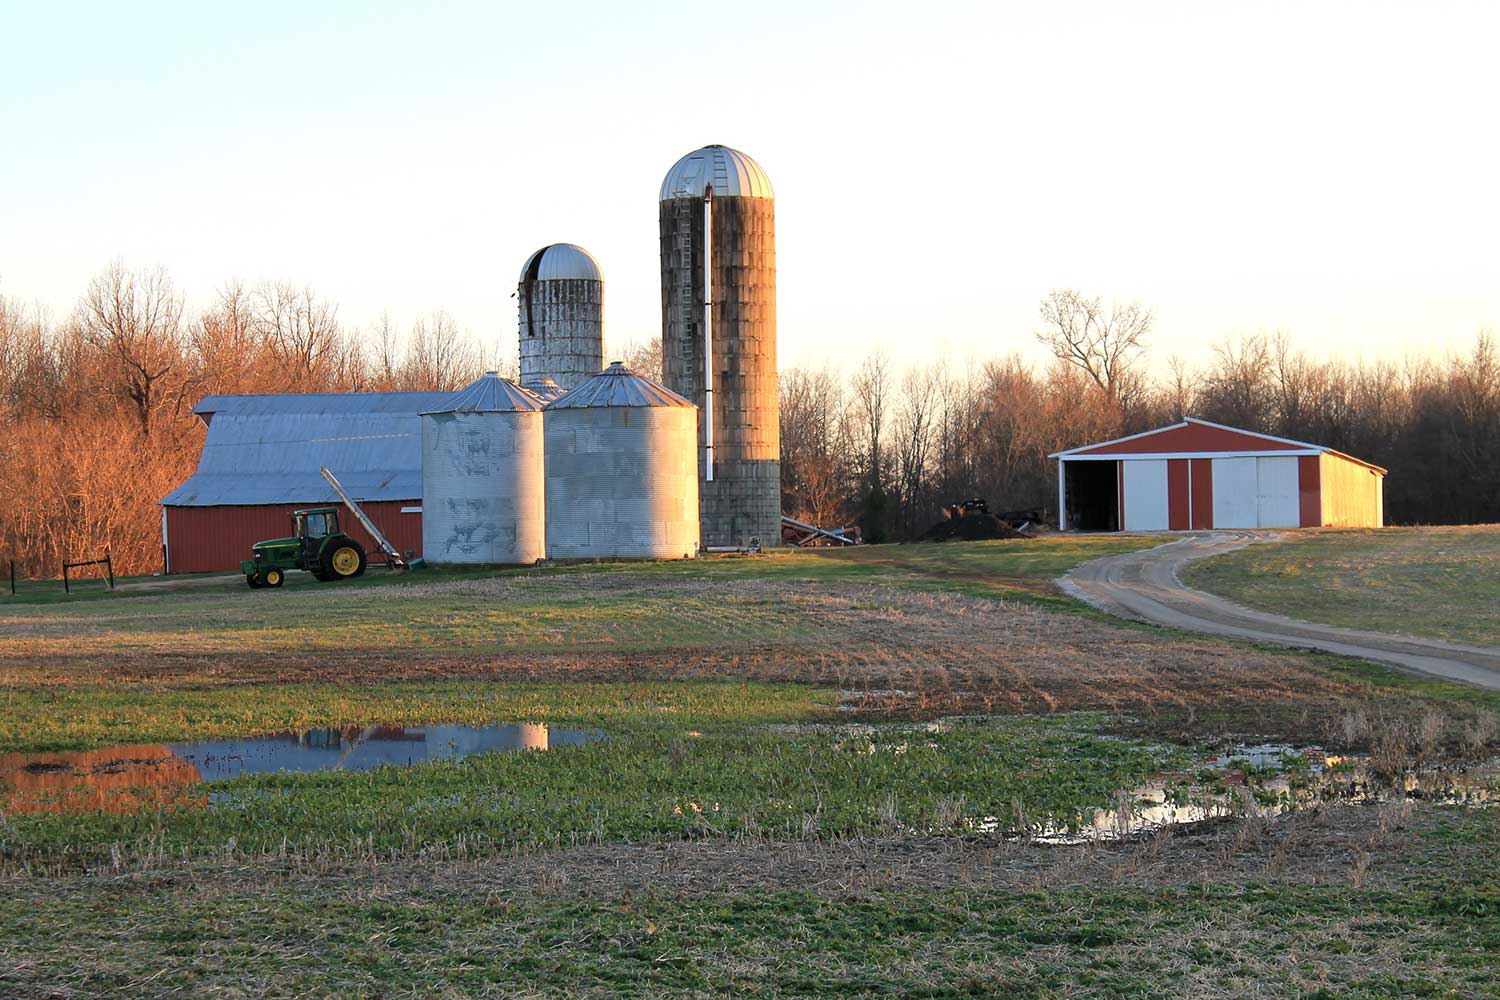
[(317, 525)]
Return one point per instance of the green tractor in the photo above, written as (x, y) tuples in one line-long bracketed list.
[(318, 547)]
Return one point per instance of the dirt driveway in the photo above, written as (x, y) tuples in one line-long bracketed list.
[(1146, 586)]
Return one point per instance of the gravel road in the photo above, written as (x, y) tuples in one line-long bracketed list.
[(1146, 586)]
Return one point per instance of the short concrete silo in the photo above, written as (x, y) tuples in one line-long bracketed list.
[(482, 476), (561, 296), (622, 470), (718, 289)]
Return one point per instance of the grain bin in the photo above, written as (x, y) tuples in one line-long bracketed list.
[(718, 286), (482, 476), (561, 296), (546, 389), (622, 477)]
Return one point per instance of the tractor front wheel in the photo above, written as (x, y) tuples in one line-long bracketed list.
[(344, 560), (273, 577), (253, 579)]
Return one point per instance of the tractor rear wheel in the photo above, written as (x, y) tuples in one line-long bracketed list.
[(344, 560), (273, 577)]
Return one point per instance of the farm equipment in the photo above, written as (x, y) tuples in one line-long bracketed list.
[(317, 546)]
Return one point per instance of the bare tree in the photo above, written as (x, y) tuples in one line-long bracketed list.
[(135, 321), (302, 330), (1106, 344), (438, 355), (645, 358)]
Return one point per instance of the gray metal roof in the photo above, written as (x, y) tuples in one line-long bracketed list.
[(546, 388), (490, 394), (618, 386), (267, 449), (730, 172), (562, 261)]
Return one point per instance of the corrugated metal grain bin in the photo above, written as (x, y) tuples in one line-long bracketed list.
[(622, 470), (482, 476)]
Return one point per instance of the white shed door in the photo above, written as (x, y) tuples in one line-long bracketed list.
[(1277, 502), (1236, 493), (1145, 494)]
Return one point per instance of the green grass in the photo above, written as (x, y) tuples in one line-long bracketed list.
[(1438, 582), (675, 761), (1436, 934)]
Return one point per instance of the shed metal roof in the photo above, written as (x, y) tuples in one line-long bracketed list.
[(267, 449), (1193, 437)]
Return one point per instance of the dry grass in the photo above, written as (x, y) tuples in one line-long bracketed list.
[(896, 653)]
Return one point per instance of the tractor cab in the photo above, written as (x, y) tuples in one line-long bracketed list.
[(316, 522)]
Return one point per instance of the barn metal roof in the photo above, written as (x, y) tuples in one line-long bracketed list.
[(490, 394), (267, 449), (731, 173), (562, 261), (617, 386)]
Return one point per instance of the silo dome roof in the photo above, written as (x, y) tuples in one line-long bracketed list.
[(560, 262), (490, 394), (731, 173), (617, 386)]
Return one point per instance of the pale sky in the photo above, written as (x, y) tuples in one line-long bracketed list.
[(1326, 169)]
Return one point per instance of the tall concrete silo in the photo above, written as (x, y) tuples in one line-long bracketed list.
[(561, 296), (718, 293), (482, 476), (622, 472)]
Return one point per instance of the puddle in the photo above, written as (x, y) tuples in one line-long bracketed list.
[(1300, 778), (129, 778)]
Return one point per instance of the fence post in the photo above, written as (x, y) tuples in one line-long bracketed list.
[(65, 579), (111, 568), (12, 578)]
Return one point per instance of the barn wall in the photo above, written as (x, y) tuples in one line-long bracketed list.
[(1352, 494), (1178, 500), (212, 539)]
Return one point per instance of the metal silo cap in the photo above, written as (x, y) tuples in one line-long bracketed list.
[(618, 386)]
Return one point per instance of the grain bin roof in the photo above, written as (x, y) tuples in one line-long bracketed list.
[(562, 261), (544, 387), (617, 386), (266, 449), (731, 173), (490, 394)]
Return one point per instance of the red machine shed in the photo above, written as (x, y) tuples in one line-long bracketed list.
[(261, 460), (1197, 475)]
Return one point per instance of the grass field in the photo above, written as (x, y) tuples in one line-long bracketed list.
[(1438, 582), (820, 774)]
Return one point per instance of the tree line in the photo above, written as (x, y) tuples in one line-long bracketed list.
[(97, 424), (887, 449), (96, 407)]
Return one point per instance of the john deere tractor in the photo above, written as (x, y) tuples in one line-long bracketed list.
[(318, 547)]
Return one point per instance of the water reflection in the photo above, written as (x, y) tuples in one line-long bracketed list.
[(131, 778)]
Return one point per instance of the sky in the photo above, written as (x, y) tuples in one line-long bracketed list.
[(1323, 169)]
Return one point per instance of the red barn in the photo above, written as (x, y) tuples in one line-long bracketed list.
[(1197, 475), (261, 460)]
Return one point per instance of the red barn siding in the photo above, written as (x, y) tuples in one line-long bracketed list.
[(211, 539), (1310, 490), (1177, 494), (1203, 493)]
